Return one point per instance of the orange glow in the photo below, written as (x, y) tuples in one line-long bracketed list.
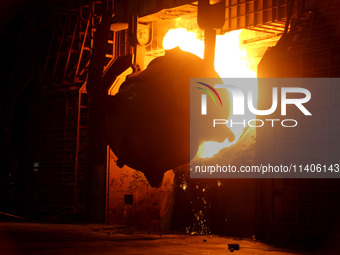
[(231, 61)]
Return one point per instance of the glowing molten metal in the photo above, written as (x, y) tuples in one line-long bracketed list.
[(230, 62)]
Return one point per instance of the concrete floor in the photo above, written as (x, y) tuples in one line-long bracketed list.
[(36, 238)]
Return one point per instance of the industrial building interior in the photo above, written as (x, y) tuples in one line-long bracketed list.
[(88, 170)]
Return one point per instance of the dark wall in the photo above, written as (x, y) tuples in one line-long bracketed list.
[(302, 210)]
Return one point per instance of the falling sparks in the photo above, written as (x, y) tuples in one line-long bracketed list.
[(184, 185), (219, 183)]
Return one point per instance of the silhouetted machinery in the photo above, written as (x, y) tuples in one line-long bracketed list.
[(148, 120)]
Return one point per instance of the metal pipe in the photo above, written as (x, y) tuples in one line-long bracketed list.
[(209, 46)]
